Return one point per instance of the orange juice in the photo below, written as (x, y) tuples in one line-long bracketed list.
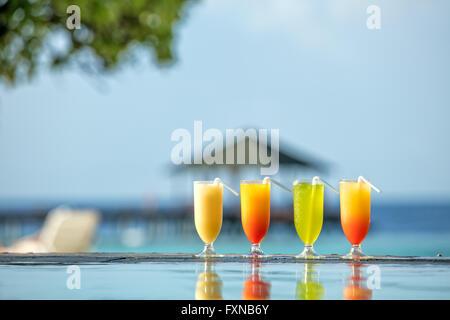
[(255, 209), (355, 210)]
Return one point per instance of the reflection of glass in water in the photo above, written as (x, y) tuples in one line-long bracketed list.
[(255, 288), (209, 285), (309, 288), (356, 285)]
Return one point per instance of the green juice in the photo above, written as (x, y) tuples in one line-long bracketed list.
[(308, 211)]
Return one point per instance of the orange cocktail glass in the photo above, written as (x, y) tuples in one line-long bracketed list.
[(255, 212), (355, 213)]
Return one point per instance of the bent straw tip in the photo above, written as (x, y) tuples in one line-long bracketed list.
[(268, 179), (361, 178), (316, 180)]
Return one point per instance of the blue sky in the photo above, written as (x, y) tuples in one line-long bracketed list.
[(372, 102)]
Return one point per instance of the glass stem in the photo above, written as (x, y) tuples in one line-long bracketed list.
[(308, 252), (355, 252), (208, 250), (255, 250)]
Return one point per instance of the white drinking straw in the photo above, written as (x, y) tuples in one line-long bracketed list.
[(218, 180), (269, 179), (317, 180), (361, 178)]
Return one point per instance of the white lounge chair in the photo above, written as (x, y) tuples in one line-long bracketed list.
[(65, 230)]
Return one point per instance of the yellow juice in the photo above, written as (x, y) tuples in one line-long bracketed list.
[(308, 211), (208, 198)]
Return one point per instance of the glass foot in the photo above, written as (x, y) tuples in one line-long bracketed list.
[(256, 252), (309, 253), (356, 253), (208, 251)]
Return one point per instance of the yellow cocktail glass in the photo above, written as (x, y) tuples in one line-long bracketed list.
[(208, 213)]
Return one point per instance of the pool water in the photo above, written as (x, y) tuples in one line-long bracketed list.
[(227, 280), (398, 230), (284, 240)]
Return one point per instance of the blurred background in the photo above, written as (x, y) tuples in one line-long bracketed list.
[(86, 118)]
